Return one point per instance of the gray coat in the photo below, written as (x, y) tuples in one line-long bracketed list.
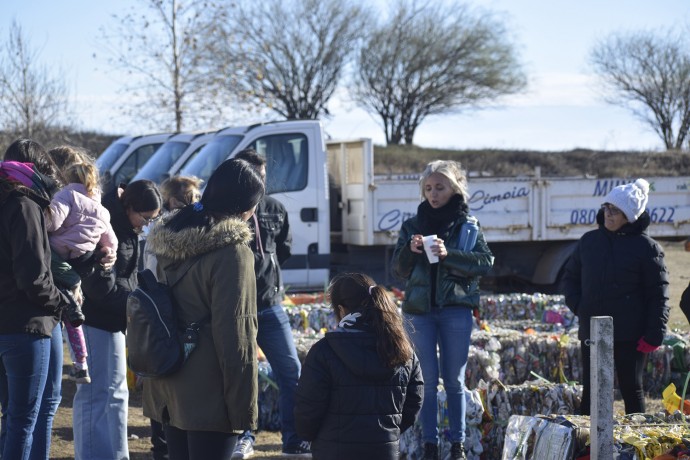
[(216, 390)]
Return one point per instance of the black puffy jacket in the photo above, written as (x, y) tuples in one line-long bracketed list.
[(349, 405), (620, 274), (106, 292)]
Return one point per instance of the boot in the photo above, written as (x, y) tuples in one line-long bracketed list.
[(430, 451), (457, 451)]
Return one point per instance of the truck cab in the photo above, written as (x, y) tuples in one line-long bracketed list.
[(296, 176)]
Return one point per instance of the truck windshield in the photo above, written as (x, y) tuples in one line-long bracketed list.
[(157, 167), (110, 156), (208, 158)]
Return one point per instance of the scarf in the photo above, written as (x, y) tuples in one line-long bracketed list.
[(438, 221), (27, 180)]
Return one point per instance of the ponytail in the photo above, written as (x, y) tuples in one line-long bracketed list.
[(359, 293), (392, 344)]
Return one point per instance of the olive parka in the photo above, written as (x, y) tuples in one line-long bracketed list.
[(457, 281), (216, 389), (620, 274)]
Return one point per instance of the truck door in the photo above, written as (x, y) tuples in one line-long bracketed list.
[(293, 177)]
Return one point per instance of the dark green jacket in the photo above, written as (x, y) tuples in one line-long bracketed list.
[(457, 282)]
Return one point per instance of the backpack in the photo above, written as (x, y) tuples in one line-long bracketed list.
[(157, 345)]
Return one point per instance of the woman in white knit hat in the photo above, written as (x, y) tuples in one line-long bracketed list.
[(617, 270)]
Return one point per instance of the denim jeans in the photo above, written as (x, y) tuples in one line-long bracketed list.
[(52, 395), (275, 339), (24, 363), (100, 407), (449, 328)]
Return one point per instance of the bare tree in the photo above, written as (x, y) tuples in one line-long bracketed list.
[(432, 59), (648, 73), (160, 49), (32, 98), (293, 52)]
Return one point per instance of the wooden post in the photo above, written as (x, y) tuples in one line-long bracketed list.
[(601, 372)]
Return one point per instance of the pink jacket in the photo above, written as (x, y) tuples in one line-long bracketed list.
[(77, 223)]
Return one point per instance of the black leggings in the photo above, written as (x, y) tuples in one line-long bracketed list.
[(199, 445), (630, 365)]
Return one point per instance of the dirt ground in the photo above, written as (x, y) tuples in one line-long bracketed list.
[(268, 444)]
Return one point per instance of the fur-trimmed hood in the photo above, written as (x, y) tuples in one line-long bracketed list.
[(193, 241)]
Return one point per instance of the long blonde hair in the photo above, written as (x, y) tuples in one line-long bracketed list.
[(85, 174)]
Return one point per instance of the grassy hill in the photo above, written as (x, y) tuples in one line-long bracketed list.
[(575, 163)]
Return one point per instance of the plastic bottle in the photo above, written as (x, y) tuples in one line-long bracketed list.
[(468, 234)]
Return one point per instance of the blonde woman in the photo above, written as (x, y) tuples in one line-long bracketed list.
[(440, 296)]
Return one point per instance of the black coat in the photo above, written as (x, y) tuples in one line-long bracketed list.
[(274, 230), (349, 405), (619, 274), (29, 301), (106, 292)]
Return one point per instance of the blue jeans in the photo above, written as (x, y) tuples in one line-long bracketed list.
[(449, 328), (24, 363), (275, 339), (100, 407), (52, 395)]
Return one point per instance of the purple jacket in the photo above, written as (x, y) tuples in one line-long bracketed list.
[(77, 223)]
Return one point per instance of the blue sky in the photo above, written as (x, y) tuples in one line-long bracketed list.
[(561, 109)]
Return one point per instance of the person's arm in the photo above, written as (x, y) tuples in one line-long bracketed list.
[(30, 262), (284, 240), (685, 302), (414, 397), (234, 326), (655, 276), (57, 212), (101, 288), (476, 262), (313, 393), (108, 239), (404, 259), (572, 280)]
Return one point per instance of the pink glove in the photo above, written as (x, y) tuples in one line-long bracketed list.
[(644, 347)]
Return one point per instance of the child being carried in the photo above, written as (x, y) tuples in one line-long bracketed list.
[(77, 223)]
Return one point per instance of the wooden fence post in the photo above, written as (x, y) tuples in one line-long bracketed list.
[(601, 381)]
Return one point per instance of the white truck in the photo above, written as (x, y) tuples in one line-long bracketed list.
[(344, 217)]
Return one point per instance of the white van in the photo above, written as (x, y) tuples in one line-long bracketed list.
[(176, 150), (121, 161)]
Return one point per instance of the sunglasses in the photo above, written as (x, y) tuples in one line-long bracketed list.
[(611, 209)]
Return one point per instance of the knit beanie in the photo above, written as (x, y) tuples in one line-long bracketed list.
[(630, 198)]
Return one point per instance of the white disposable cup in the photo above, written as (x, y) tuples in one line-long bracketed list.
[(429, 241)]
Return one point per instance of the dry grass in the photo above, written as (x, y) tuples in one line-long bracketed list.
[(575, 163)]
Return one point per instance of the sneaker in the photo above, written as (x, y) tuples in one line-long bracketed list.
[(244, 448), (430, 451), (79, 375), (301, 450), (457, 451)]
